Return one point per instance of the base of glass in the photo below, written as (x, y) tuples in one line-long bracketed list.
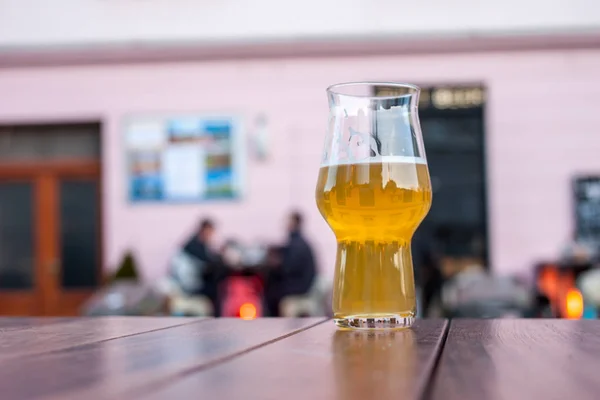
[(375, 322)]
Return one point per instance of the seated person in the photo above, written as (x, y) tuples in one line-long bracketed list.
[(210, 269), (297, 270)]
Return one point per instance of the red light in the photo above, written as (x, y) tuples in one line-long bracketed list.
[(548, 283), (247, 311)]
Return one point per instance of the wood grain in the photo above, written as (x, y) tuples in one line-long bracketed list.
[(30, 336), (320, 363), (519, 359), (20, 323), (117, 368)]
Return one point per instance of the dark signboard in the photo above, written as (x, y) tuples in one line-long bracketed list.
[(442, 97), (587, 208)]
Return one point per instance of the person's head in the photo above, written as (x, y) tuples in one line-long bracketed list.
[(295, 222), (206, 230)]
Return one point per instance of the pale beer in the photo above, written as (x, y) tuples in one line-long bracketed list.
[(374, 208)]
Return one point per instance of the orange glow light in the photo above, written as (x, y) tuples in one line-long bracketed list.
[(574, 304), (247, 311)]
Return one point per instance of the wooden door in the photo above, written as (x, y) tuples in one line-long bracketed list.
[(50, 248)]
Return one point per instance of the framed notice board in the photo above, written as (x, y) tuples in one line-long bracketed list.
[(587, 207), (183, 158)]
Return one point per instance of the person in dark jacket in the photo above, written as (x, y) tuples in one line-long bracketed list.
[(297, 270), (210, 271)]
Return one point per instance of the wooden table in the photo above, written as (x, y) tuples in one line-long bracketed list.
[(181, 358)]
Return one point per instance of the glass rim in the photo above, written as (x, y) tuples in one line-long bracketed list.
[(413, 89)]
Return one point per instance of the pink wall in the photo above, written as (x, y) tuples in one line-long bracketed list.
[(542, 119)]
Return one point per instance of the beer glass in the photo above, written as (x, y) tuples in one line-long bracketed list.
[(373, 190)]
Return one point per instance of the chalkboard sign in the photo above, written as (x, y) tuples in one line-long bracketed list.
[(587, 208)]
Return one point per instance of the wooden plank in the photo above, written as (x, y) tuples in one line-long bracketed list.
[(319, 363), (19, 323), (115, 369), (519, 359), (38, 335)]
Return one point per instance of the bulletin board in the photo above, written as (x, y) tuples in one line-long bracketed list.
[(183, 158)]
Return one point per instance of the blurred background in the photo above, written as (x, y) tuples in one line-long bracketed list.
[(160, 157)]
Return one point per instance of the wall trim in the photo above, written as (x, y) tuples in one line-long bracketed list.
[(180, 52)]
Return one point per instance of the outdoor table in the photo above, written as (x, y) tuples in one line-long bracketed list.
[(308, 358)]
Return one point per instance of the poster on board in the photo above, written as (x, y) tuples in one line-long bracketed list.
[(185, 158)]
